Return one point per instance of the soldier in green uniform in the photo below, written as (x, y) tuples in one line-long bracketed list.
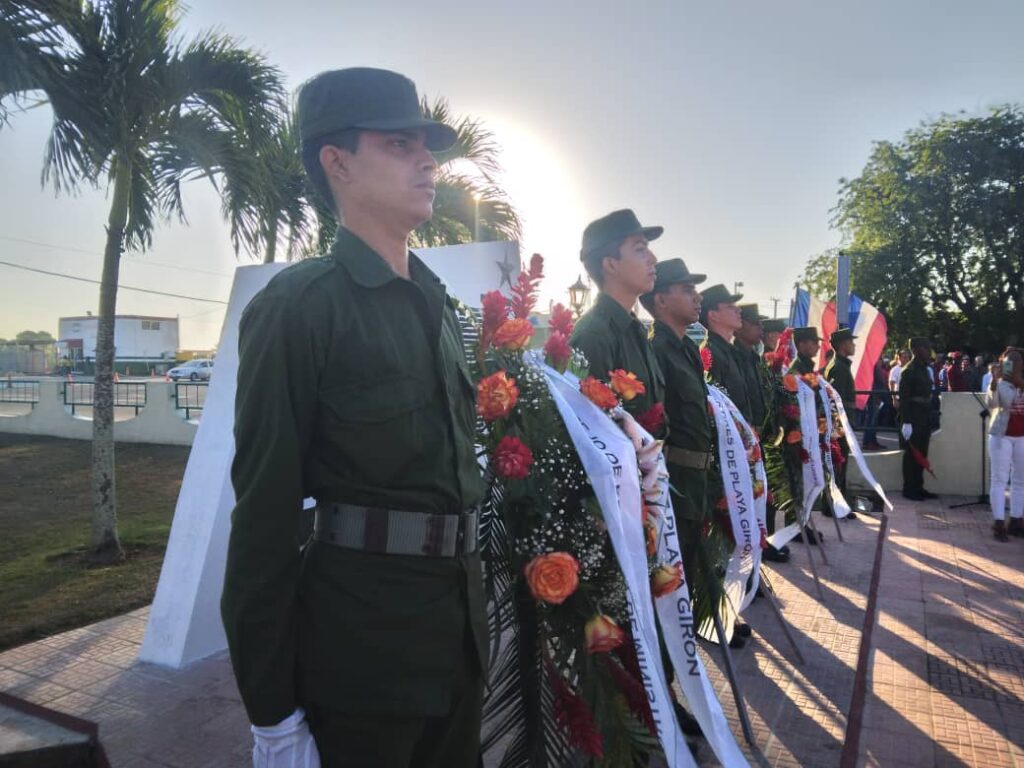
[(772, 329), (353, 390), (839, 373), (808, 344), (616, 254), (915, 391), (720, 314)]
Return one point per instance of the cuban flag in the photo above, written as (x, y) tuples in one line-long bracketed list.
[(868, 326)]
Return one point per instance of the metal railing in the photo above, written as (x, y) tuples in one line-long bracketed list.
[(881, 398), (19, 391), (190, 396), (128, 394)]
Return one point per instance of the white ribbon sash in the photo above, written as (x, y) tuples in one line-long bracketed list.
[(739, 495), (840, 507), (854, 445), (609, 459)]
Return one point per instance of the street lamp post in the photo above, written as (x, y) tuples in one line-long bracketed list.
[(578, 293), (476, 217), (736, 287)]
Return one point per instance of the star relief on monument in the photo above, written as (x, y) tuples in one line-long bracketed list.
[(506, 270)]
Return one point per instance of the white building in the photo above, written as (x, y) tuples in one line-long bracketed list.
[(139, 340)]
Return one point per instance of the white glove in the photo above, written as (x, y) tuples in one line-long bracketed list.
[(906, 430), (289, 744)]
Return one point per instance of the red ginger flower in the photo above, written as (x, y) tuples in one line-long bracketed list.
[(653, 419), (524, 292), (512, 458), (561, 320), (707, 358), (574, 717), (837, 454), (494, 307), (557, 351), (634, 692)]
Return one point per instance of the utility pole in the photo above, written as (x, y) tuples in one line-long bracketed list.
[(775, 305)]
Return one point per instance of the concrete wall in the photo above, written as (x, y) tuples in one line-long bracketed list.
[(157, 422), (954, 453)]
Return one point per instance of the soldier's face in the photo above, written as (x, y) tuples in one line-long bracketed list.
[(634, 270), (389, 178), (682, 303), (847, 348), (771, 340), (809, 348), (727, 316), (750, 333)]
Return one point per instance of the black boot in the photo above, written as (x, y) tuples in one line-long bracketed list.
[(999, 529)]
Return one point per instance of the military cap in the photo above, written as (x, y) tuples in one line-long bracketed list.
[(919, 341), (672, 271), (841, 335), (805, 334), (617, 225), (774, 325), (718, 294), (366, 99), (749, 314)]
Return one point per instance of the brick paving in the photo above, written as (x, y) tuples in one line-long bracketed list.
[(945, 684)]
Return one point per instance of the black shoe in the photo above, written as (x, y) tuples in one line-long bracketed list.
[(773, 555), (784, 550), (1016, 526), (687, 723), (743, 630), (999, 529), (737, 642), (928, 494), (810, 537), (851, 516), (913, 496)]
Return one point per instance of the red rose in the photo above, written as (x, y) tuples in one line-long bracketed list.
[(512, 459), (496, 396), (561, 320), (557, 351), (653, 419)]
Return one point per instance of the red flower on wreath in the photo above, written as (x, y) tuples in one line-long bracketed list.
[(513, 334), (561, 320), (805, 457), (791, 412), (666, 579), (574, 717), (625, 384), (512, 458), (557, 351), (653, 419), (553, 577), (599, 393), (496, 396), (837, 454), (602, 634), (494, 307), (706, 358)]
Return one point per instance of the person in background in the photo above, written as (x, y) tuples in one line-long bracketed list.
[(1005, 398), (839, 373), (986, 380), (876, 404), (903, 358), (773, 328)]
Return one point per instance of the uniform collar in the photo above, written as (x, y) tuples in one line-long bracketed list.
[(663, 329), (609, 308), (369, 270)]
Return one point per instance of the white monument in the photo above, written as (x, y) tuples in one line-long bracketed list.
[(184, 621)]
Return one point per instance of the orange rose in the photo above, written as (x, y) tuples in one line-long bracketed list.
[(822, 426), (794, 436), (625, 384), (790, 382), (552, 578), (652, 539), (598, 393), (513, 334), (666, 579), (496, 396), (758, 489), (602, 634)]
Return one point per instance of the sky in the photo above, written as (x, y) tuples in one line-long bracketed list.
[(728, 123)]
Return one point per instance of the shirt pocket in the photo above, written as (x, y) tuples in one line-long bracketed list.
[(376, 401)]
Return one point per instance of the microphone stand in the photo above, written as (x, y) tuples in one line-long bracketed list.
[(983, 496)]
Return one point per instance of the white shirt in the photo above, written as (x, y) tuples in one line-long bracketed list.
[(986, 382), (894, 376)]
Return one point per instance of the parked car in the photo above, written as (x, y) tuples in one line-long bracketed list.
[(193, 370)]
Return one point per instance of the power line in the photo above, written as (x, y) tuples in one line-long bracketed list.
[(70, 249), (97, 282)]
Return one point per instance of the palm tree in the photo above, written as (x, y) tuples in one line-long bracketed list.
[(462, 197), (143, 112)]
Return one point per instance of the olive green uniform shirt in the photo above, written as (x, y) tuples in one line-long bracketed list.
[(752, 367), (915, 393), (612, 338), (353, 388), (727, 371), (839, 373), (686, 409)]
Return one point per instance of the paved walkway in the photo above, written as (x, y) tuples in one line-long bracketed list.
[(944, 682)]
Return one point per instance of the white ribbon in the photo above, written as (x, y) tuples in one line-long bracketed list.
[(609, 458), (854, 445), (739, 495), (840, 507)]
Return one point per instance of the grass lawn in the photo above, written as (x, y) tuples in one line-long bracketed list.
[(45, 523)]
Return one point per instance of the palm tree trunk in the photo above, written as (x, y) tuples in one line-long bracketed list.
[(271, 252), (106, 547)]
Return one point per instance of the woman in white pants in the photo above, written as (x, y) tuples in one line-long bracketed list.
[(1005, 398)]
